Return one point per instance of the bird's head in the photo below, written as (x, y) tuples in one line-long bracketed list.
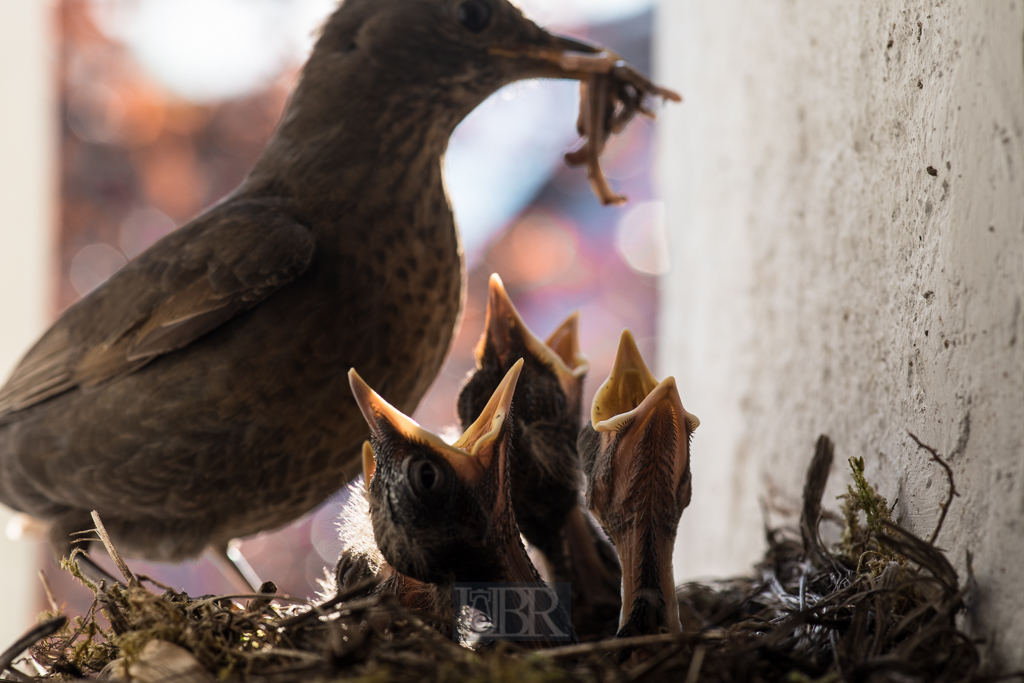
[(436, 59), (552, 380), (471, 45), (391, 79), (636, 454), (440, 512), (638, 428)]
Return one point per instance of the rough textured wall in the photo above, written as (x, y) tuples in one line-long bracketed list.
[(845, 187)]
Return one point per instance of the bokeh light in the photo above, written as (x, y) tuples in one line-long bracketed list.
[(642, 240)]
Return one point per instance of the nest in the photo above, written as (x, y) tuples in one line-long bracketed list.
[(879, 606)]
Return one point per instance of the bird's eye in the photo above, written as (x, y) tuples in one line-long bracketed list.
[(425, 476), (474, 15)]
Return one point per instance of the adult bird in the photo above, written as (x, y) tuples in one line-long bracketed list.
[(199, 394)]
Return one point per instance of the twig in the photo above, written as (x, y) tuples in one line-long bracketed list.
[(609, 645), (283, 652), (814, 487), (952, 486), (322, 609), (118, 621), (112, 551), (33, 636), (49, 592), (259, 605), (693, 673), (657, 660), (150, 579)]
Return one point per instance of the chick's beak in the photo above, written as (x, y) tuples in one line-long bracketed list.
[(505, 331), (629, 383), (480, 436), (386, 421), (565, 342), (369, 464), (641, 417), (470, 456)]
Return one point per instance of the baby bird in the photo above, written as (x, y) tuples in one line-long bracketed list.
[(362, 560), (545, 474), (636, 454), (444, 513)]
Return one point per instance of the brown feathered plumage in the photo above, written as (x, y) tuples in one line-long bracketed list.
[(199, 393)]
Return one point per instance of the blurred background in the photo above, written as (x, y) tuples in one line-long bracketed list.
[(160, 108)]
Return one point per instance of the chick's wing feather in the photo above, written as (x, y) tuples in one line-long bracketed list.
[(186, 285)]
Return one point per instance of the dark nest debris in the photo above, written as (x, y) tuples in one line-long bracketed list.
[(880, 606)]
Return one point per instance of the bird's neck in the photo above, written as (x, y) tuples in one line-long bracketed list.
[(369, 164), (516, 564), (364, 147), (596, 577), (649, 602)]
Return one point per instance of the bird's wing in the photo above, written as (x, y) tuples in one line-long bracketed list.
[(186, 285)]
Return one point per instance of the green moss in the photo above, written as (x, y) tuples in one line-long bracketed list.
[(860, 543)]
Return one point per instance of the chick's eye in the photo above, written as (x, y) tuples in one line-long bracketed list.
[(425, 476), (474, 15)]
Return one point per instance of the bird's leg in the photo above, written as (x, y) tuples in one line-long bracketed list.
[(234, 567), (636, 455)]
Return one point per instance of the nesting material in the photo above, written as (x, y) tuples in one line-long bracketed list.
[(880, 606)]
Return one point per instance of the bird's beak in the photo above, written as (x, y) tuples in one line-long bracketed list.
[(507, 334), (632, 407), (631, 390), (386, 421), (555, 56), (470, 456), (565, 342), (369, 464), (484, 437), (612, 92), (547, 55)]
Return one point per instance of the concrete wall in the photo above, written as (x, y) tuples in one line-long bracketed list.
[(845, 187), (28, 170)]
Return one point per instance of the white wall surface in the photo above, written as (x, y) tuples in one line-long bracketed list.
[(826, 281), (27, 197)]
